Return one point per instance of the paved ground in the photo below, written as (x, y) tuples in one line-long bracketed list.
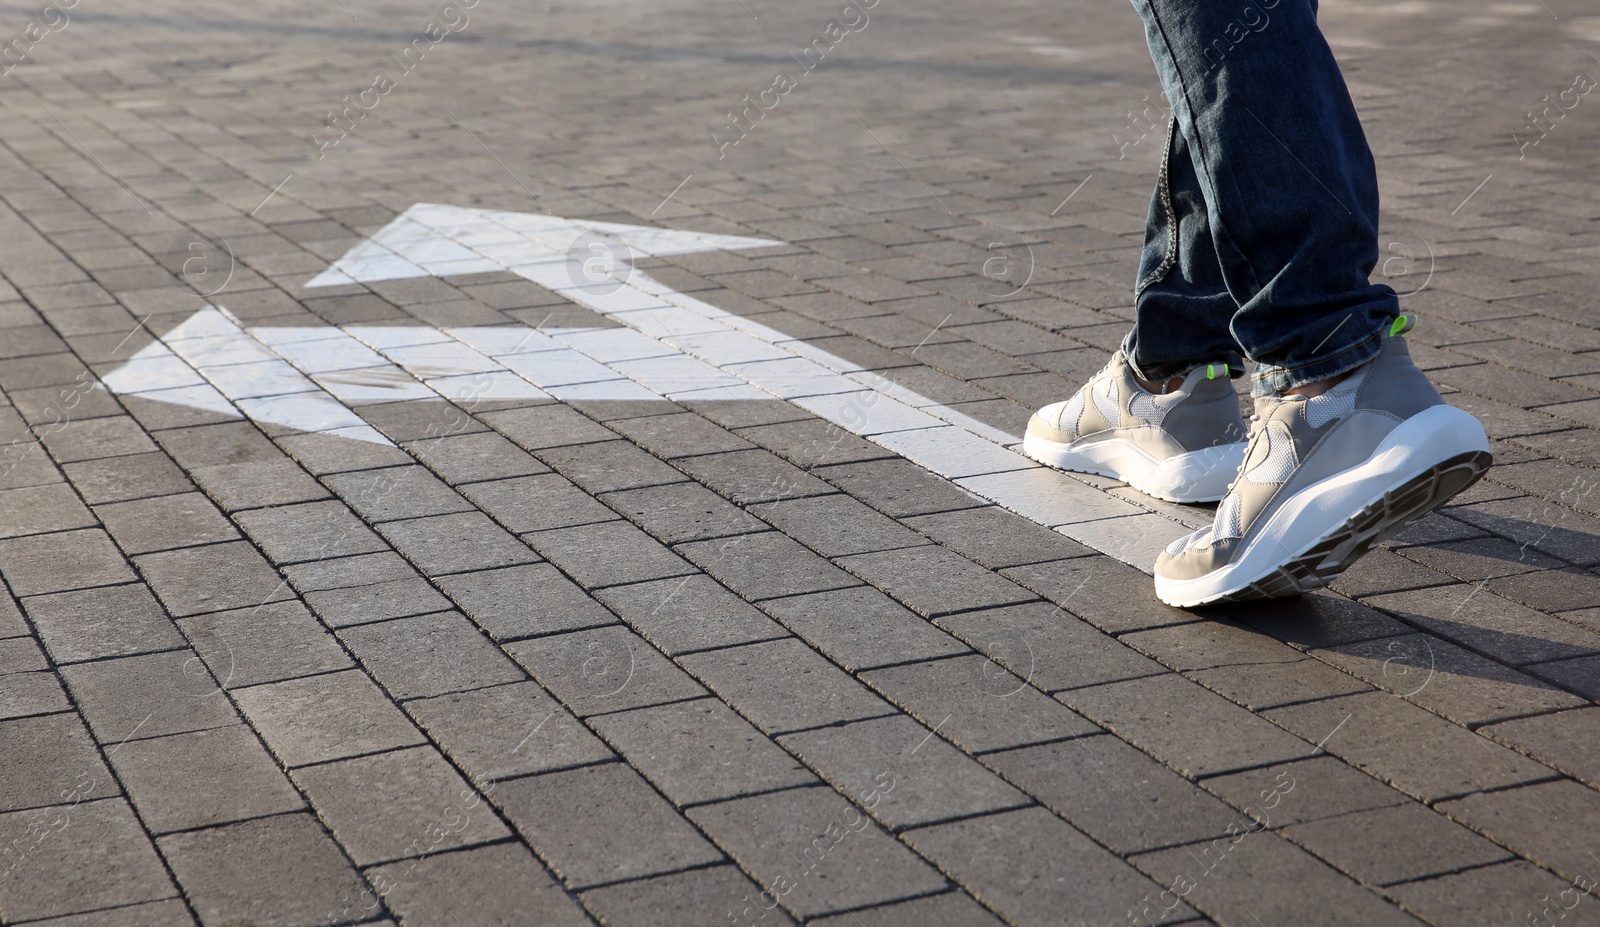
[(493, 657)]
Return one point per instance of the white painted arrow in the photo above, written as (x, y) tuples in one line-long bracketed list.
[(670, 346)]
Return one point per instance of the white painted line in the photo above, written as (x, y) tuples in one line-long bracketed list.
[(671, 345)]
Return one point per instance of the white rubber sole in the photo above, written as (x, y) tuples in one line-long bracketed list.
[(1198, 476), (1328, 525)]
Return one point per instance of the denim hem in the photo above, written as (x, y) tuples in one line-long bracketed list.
[(1171, 369), (1275, 380)]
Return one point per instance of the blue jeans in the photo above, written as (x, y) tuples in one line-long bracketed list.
[(1264, 225)]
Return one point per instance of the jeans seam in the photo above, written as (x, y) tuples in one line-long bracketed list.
[(1164, 192)]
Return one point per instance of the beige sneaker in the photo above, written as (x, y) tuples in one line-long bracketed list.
[(1182, 446), (1326, 478)]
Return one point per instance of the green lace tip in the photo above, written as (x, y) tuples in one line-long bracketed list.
[(1211, 371), (1401, 324)]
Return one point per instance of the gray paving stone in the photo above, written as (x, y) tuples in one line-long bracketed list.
[(325, 454), (1549, 823), (456, 543), (320, 718), (602, 824), (1543, 526), (685, 898), (680, 434), (861, 627), (100, 842), (257, 483), (1305, 790), (951, 909), (95, 438), (1396, 844), (935, 581), (429, 655), (1319, 619), (1049, 646), (108, 621), (1565, 740), (1116, 794), (536, 427), (918, 778), (996, 538), (524, 601), (281, 871), (1260, 872), (818, 692), (1550, 590), (1196, 731), (815, 443), (1208, 644), (692, 613), (11, 623), (837, 525), (409, 421), (57, 562), (40, 509), (21, 654), (1107, 593), (1493, 894), (626, 554), (24, 694), (169, 913), (1381, 571), (1446, 679), (816, 852), (1479, 559), (1581, 675), (211, 579), (899, 488), (473, 458), (508, 730), (683, 512), (396, 598), (49, 760), (609, 466), (309, 531), (1500, 629), (998, 857), (343, 572), (397, 805), (448, 887), (218, 445), (753, 476), (537, 503), (147, 696), (392, 493), (977, 704), (165, 523), (766, 565), (203, 778), (700, 751), (1273, 685), (1417, 752), (603, 670), (268, 643)]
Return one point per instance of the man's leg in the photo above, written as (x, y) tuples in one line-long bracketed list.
[(1273, 153), (1351, 442)]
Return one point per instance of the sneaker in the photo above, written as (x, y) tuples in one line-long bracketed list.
[(1182, 446), (1324, 479)]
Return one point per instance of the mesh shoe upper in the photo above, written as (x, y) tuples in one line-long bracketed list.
[(1296, 442), (1199, 414)]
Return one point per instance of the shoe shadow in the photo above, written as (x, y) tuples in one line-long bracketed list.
[(1415, 636)]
